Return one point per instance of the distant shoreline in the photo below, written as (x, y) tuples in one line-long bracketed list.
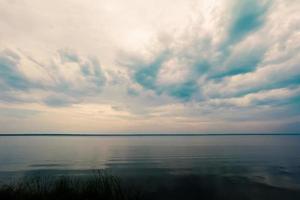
[(147, 135)]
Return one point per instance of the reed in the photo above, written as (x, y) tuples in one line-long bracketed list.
[(99, 186)]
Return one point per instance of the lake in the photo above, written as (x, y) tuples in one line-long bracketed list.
[(264, 162)]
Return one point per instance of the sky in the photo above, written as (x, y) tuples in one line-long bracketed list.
[(150, 66)]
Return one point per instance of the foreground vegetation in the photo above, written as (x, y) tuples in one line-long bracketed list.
[(103, 186), (100, 186)]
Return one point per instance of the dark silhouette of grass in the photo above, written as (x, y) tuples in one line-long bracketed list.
[(100, 186), (104, 186)]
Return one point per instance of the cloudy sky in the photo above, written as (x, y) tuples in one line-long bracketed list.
[(149, 66)]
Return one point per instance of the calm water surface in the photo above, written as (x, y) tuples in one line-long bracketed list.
[(272, 160)]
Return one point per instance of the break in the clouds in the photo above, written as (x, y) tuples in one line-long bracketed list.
[(150, 66)]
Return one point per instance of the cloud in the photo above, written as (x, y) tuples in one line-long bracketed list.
[(67, 55), (189, 63), (59, 101), (247, 17), (183, 68), (132, 92), (292, 127), (17, 113), (11, 77), (237, 69), (65, 78)]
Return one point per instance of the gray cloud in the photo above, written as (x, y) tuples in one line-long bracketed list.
[(234, 75), (224, 61), (247, 17), (10, 75), (204, 60), (59, 101), (17, 113), (87, 79)]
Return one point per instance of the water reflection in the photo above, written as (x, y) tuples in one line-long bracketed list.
[(272, 160)]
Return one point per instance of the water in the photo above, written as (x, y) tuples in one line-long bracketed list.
[(269, 160)]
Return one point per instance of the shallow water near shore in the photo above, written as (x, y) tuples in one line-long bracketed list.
[(261, 163)]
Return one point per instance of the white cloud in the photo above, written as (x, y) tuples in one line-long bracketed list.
[(185, 64)]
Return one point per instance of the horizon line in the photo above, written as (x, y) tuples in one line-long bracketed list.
[(145, 134)]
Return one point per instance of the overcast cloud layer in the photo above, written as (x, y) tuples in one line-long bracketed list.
[(159, 66)]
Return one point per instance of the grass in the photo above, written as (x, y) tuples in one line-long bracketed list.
[(100, 186), (103, 186)]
